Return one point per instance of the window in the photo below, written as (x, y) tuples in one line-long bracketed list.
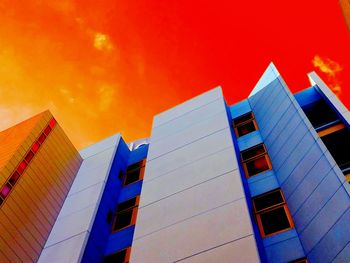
[(14, 177), (272, 213), (255, 160), (300, 260), (121, 256), (244, 124), (134, 172), (126, 214)]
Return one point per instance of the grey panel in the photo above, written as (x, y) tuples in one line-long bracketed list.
[(187, 176), (187, 106), (68, 251), (192, 133), (240, 250), (189, 203), (192, 198), (199, 233), (189, 119), (188, 154)]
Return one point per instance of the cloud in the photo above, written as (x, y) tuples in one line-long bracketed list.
[(102, 42), (331, 69)]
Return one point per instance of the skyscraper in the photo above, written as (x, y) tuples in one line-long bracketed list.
[(38, 164), (263, 180)]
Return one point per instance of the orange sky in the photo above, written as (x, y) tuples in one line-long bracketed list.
[(107, 66)]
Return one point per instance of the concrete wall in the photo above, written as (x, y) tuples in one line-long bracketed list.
[(193, 207), (312, 183)]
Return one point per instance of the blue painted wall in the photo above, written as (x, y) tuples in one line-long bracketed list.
[(237, 110), (308, 175), (282, 247), (123, 239)]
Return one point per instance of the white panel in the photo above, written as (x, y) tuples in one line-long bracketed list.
[(82, 199), (71, 225), (100, 146), (188, 175), (187, 120), (191, 202), (187, 106), (196, 234), (192, 198), (94, 171), (186, 136), (188, 154), (242, 251), (68, 251)]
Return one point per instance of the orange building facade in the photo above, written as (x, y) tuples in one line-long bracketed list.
[(38, 164)]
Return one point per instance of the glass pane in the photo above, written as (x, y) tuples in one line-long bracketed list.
[(274, 220), (127, 204), (118, 257), (132, 177), (246, 128), (123, 220), (257, 165), (268, 200), (252, 152), (243, 118)]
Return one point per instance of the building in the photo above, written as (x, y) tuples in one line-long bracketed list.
[(38, 164), (263, 180), (345, 7)]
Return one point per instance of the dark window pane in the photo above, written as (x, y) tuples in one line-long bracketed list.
[(118, 257), (134, 166), (246, 128), (274, 221), (127, 204), (243, 118), (42, 138), (47, 130), (268, 200), (252, 152), (132, 177), (123, 220), (319, 113), (14, 178), (5, 190), (257, 165), (29, 156), (338, 144)]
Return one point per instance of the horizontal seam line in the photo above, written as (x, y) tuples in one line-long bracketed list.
[(183, 190), (189, 126), (193, 216), (87, 231), (206, 250), (187, 164), (186, 112), (183, 146)]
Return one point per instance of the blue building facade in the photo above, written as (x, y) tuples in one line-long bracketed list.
[(263, 180)]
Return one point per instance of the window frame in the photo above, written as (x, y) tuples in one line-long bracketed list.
[(236, 126), (127, 255), (265, 154), (134, 209), (141, 168), (258, 214)]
